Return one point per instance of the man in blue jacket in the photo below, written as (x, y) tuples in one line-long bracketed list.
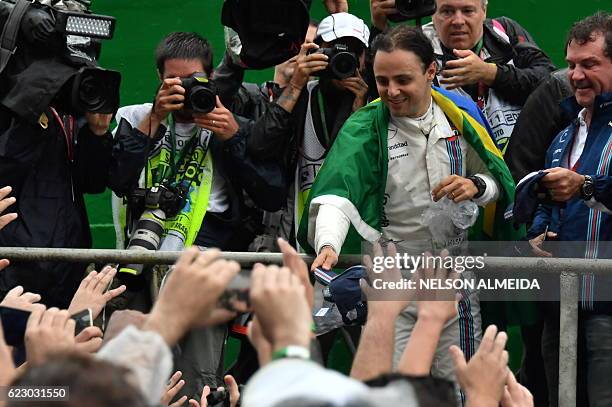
[(579, 180)]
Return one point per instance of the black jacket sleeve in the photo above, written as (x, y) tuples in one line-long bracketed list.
[(228, 78), (92, 160), (263, 180), (541, 119), (21, 147), (531, 65), (129, 156), (270, 134)]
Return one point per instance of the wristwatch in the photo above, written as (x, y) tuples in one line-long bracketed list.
[(480, 185), (292, 351), (587, 189)]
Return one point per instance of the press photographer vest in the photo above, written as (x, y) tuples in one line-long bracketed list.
[(500, 114), (193, 165), (311, 154)]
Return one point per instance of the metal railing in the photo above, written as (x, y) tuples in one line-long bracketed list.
[(568, 270)]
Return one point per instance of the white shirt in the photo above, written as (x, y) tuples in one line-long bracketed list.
[(579, 140), (416, 164)]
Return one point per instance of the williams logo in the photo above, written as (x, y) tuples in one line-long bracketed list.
[(398, 145)]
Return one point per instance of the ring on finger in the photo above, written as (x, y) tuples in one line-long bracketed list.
[(212, 123), (451, 195)]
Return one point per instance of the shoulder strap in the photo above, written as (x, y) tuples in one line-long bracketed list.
[(8, 39)]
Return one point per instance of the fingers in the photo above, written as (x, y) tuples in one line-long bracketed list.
[(205, 393), (88, 279), (458, 359), (180, 401), (174, 386), (110, 294), (330, 261), (318, 261), (31, 298), (35, 318), (4, 263), (488, 339), (4, 201), (436, 191), (89, 340), (232, 387), (307, 46), (5, 191), (88, 333), (15, 292), (101, 281), (500, 343), (6, 219), (187, 258)]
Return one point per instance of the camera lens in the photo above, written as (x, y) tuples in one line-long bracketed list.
[(202, 99), (91, 93), (343, 65)]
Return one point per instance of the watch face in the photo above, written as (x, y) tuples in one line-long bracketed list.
[(587, 188)]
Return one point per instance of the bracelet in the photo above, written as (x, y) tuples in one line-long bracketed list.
[(292, 351)]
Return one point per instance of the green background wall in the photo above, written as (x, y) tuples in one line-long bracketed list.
[(141, 24)]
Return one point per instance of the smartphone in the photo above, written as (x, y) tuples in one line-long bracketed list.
[(236, 291), (83, 320), (14, 322)]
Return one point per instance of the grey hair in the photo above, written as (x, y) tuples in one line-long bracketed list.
[(484, 3)]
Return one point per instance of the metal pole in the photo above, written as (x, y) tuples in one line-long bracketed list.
[(568, 339), (246, 259)]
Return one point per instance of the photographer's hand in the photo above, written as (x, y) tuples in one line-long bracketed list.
[(220, 121), (468, 69), (357, 86), (379, 10), (307, 64), (98, 122), (336, 6), (169, 98)]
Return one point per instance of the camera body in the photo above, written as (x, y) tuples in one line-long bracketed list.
[(200, 93), (169, 200), (342, 63), (55, 61), (412, 9)]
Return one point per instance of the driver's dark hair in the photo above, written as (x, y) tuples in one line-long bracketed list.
[(405, 38)]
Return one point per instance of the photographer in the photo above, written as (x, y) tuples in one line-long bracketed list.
[(54, 145), (198, 161), (494, 61)]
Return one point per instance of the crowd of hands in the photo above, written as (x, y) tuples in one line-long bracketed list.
[(281, 301)]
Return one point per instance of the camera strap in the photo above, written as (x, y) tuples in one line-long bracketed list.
[(321, 103), (8, 39), (66, 123), (170, 161)]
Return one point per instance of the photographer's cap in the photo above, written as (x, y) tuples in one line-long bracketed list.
[(341, 25)]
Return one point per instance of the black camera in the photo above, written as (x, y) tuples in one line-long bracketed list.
[(169, 199), (91, 90), (200, 93), (342, 63), (413, 9), (53, 59)]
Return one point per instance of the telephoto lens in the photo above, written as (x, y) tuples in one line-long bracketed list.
[(147, 236)]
